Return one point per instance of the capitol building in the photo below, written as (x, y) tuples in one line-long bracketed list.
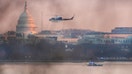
[(26, 23)]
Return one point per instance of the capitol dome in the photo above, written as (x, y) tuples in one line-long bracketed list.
[(26, 23)]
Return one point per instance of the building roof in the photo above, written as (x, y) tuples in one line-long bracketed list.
[(25, 19)]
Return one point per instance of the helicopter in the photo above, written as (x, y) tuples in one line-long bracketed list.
[(59, 18)]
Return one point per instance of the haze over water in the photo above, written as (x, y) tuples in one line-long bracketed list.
[(66, 68)]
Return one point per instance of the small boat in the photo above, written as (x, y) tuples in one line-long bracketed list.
[(94, 64)]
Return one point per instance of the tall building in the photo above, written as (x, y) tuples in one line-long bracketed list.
[(26, 23)]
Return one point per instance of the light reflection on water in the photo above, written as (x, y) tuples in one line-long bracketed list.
[(66, 68)]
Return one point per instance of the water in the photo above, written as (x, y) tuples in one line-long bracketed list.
[(66, 68)]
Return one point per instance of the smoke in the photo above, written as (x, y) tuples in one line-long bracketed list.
[(98, 15)]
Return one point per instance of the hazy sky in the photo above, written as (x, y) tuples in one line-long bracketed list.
[(98, 15)]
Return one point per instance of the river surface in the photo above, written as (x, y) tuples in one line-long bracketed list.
[(66, 68)]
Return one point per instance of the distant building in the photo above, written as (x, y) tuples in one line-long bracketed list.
[(122, 30), (98, 39), (26, 24)]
